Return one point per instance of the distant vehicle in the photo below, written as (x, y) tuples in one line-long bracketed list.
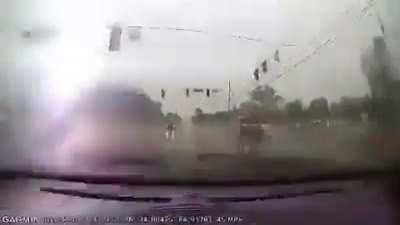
[(250, 135), (170, 133), (321, 123)]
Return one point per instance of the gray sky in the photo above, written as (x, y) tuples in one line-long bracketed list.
[(68, 48)]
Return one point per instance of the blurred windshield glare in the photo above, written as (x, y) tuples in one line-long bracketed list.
[(231, 89)]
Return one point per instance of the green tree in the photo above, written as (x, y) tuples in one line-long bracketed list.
[(122, 102), (265, 96), (262, 99), (295, 110), (319, 108)]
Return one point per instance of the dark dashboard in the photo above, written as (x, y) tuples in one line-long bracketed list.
[(327, 202)]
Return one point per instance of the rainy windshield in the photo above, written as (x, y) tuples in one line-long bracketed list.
[(228, 89)]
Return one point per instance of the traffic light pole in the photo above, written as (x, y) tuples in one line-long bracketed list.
[(229, 95)]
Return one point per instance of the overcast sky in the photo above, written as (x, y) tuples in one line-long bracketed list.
[(67, 49)]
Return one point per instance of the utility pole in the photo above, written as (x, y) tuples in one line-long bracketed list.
[(229, 95)]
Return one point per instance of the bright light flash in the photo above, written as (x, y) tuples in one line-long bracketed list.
[(72, 65)]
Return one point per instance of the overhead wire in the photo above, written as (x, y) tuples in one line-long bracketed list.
[(272, 57), (327, 42), (205, 32), (304, 59)]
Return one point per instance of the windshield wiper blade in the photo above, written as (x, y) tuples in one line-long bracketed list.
[(73, 177), (275, 196), (131, 198), (104, 196), (141, 180)]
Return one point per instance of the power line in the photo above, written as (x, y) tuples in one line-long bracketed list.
[(306, 58), (315, 51), (364, 11), (241, 37)]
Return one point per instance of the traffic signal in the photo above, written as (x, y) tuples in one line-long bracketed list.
[(264, 66), (115, 39), (256, 74), (135, 33), (163, 92), (276, 56), (215, 90)]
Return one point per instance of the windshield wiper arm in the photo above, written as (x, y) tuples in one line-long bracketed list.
[(104, 196), (131, 198)]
